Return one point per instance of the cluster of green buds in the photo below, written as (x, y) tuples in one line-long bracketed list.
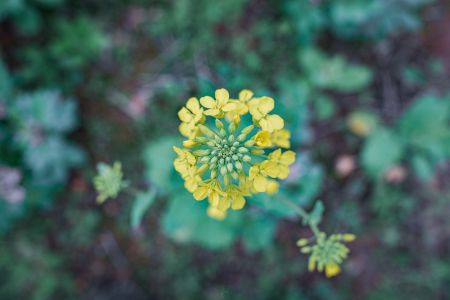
[(326, 253), (225, 151)]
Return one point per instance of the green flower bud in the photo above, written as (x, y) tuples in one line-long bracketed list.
[(219, 124), (247, 129), (249, 143), (201, 152), (232, 127), (243, 150)]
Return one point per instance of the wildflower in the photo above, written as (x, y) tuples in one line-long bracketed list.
[(259, 109), (218, 107), (327, 253), (259, 177), (225, 158), (241, 106), (277, 165), (190, 117), (262, 139), (281, 138)]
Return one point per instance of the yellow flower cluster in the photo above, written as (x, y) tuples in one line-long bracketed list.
[(225, 161), (327, 253)]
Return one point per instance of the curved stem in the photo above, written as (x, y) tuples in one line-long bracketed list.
[(303, 214)]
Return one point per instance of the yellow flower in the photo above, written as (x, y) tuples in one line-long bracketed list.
[(259, 109), (277, 166), (258, 176), (191, 178), (262, 139), (189, 130), (235, 197), (192, 113), (190, 117), (223, 163), (218, 107), (332, 269), (281, 138), (184, 161), (210, 189), (241, 106)]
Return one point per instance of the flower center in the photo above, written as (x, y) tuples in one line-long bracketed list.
[(227, 151)]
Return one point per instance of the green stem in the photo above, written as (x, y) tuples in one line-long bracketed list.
[(303, 214)]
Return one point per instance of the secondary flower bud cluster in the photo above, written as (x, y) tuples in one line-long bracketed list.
[(327, 253), (232, 149)]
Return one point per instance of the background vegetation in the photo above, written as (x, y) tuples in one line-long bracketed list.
[(363, 86)]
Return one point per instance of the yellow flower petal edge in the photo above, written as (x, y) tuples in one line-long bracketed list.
[(232, 149)]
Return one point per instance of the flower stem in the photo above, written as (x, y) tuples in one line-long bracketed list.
[(303, 214)]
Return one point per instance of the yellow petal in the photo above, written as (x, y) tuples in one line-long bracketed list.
[(266, 105), (208, 102), (224, 203), (272, 187), (191, 185), (332, 269), (193, 105), (260, 183), (262, 139), (238, 202), (276, 122), (245, 95), (288, 158), (214, 198), (200, 193), (229, 107), (215, 213), (189, 143), (222, 95), (265, 125), (212, 112), (275, 155), (184, 115), (178, 151), (283, 172)]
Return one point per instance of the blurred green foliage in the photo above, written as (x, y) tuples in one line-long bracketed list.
[(63, 60)]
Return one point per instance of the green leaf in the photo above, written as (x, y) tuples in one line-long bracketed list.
[(47, 110), (186, 220), (425, 125), (141, 204), (334, 72), (422, 167), (159, 157), (5, 82), (258, 233), (315, 216), (381, 150), (51, 160), (324, 107)]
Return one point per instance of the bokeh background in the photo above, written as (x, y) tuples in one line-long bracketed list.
[(362, 84)]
